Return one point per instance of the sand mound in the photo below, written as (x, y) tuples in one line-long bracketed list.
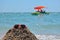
[(19, 32)]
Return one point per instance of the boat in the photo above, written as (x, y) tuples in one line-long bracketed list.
[(35, 13), (39, 10), (39, 13)]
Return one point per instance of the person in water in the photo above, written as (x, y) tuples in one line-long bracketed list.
[(42, 11)]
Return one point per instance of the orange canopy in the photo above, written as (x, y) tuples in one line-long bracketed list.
[(39, 7)]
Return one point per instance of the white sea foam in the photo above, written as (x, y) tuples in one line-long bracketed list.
[(48, 37), (1, 36)]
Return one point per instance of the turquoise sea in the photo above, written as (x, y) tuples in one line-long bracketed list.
[(41, 24)]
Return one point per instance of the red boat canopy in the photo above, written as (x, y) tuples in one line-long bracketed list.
[(39, 7)]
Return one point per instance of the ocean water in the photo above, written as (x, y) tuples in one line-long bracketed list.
[(41, 24)]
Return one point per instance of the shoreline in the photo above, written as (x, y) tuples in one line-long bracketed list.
[(43, 37)]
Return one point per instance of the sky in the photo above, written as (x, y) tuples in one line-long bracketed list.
[(28, 5)]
